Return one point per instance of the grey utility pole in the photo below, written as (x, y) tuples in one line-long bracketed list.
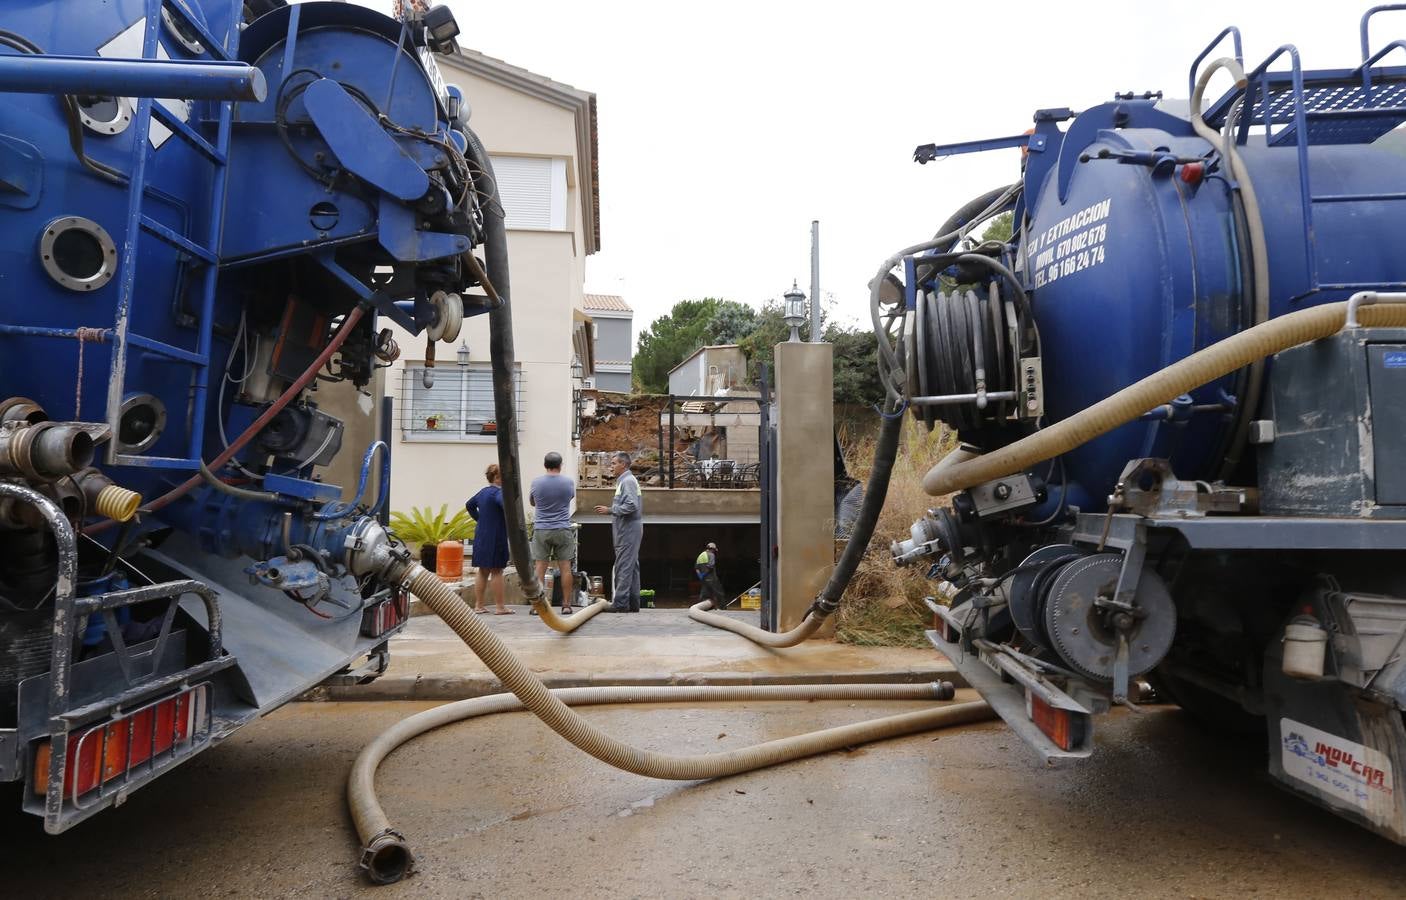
[(815, 281)]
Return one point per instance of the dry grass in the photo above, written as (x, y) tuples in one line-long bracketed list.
[(883, 604)]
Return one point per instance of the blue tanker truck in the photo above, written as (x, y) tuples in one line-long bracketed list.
[(1180, 390), (209, 209)]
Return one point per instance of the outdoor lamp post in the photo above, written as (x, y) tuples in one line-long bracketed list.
[(794, 311)]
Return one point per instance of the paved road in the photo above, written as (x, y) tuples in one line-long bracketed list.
[(503, 808)]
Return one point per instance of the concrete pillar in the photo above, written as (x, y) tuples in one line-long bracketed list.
[(805, 457)]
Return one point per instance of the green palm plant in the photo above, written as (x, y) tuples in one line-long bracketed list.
[(419, 526)]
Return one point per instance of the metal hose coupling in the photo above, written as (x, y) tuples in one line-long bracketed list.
[(386, 858)]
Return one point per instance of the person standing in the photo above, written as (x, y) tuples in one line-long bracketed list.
[(490, 542), (627, 527), (553, 539), (706, 568)]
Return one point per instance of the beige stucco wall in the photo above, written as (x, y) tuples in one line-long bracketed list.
[(548, 270), (805, 520)]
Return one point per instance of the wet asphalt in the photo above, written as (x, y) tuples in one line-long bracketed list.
[(504, 808)]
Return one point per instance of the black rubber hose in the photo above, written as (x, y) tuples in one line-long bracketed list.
[(959, 218), (1022, 299), (500, 348), (874, 493), (876, 489)]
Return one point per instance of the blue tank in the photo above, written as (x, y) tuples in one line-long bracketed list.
[(1132, 245)]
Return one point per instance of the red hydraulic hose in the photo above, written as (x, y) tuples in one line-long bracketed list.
[(343, 332)]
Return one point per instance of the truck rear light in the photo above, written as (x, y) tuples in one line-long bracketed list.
[(385, 615), (113, 749), (1057, 724)]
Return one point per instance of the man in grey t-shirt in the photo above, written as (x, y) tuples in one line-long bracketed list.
[(553, 541)]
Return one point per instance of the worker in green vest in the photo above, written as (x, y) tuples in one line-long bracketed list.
[(706, 568)]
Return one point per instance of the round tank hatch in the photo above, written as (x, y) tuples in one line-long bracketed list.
[(140, 422), (78, 253), (182, 33), (102, 114)]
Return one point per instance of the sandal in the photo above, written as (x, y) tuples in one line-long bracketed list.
[(480, 610), (567, 610), (504, 612)]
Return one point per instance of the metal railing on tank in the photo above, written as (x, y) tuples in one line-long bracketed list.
[(1314, 108)]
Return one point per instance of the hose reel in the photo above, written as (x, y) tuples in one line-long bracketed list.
[(971, 348)]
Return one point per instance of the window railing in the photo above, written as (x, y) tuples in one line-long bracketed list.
[(457, 404)]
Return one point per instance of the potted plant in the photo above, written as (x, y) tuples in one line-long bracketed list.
[(489, 427), (421, 527), (432, 421)]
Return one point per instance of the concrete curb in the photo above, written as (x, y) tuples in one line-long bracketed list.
[(465, 686)]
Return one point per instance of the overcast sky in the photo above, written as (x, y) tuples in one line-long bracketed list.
[(725, 127)]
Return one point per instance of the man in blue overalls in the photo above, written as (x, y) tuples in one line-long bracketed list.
[(627, 527)]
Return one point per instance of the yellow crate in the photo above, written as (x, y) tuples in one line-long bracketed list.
[(751, 601)]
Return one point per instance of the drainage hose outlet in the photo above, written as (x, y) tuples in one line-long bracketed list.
[(118, 503)]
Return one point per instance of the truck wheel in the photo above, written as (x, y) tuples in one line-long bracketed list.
[(1211, 711)]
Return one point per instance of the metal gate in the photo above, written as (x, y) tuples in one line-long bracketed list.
[(771, 608)]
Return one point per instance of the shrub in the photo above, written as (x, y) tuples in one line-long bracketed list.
[(420, 527), (883, 604)]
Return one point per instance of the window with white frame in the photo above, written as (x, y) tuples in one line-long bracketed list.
[(457, 405), (533, 191)]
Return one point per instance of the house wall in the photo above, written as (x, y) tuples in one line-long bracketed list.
[(692, 377), (613, 343), (547, 269), (687, 379), (612, 337), (614, 382)]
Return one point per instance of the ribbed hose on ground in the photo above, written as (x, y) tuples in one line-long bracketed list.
[(387, 858), (567, 624), (520, 680), (698, 612), (1216, 361)]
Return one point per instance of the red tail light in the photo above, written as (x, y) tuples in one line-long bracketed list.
[(101, 753), (385, 615), (1057, 724)]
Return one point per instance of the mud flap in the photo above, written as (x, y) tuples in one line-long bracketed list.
[(1331, 744)]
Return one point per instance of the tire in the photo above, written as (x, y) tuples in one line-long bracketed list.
[(1214, 713)]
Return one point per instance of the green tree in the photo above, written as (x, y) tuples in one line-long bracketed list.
[(771, 329), (732, 321), (1000, 229), (856, 365), (689, 325), (855, 350)]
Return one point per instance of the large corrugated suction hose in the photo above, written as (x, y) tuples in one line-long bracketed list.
[(1215, 361), (567, 624), (385, 854), (699, 612)]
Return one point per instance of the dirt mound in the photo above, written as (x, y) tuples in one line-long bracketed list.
[(629, 423)]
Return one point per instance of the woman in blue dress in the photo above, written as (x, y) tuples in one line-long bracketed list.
[(490, 541)]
